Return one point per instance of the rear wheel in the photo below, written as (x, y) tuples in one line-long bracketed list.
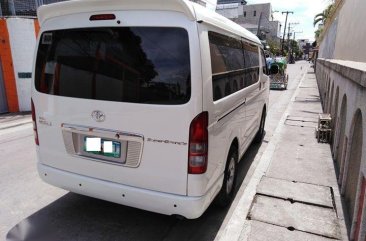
[(226, 193), (260, 134)]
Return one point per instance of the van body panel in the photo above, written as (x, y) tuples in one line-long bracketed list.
[(163, 165), (160, 202), (159, 181), (234, 117)]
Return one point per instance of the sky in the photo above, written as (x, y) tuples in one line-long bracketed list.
[(304, 12)]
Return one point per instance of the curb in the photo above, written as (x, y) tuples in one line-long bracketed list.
[(236, 227)]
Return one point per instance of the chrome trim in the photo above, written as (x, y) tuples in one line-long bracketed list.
[(132, 158)]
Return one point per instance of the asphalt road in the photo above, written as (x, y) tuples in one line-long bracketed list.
[(33, 210)]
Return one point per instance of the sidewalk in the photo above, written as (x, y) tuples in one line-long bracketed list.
[(14, 119), (293, 193)]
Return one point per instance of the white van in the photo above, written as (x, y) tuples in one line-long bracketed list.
[(146, 103)]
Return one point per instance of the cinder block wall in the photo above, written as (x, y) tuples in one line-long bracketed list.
[(18, 40)]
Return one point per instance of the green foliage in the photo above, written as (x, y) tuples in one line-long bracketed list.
[(317, 33), (324, 16), (274, 47), (295, 48)]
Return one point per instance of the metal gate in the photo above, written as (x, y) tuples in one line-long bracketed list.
[(3, 101)]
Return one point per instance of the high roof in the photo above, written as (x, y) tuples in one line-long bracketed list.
[(193, 11)]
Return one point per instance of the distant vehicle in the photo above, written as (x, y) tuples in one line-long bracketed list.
[(146, 105), (269, 58), (278, 75)]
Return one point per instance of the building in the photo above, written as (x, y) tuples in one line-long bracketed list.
[(18, 31), (304, 45), (210, 4), (243, 2), (22, 7), (251, 16), (231, 10)]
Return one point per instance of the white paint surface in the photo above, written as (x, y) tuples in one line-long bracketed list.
[(22, 42)]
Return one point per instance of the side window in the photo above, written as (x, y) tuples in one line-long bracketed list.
[(234, 64), (227, 63), (264, 62), (251, 64)]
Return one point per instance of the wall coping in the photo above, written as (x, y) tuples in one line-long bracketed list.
[(354, 71)]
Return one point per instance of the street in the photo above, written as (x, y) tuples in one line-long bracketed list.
[(29, 207)]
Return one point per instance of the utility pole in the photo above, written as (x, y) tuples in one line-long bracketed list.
[(295, 40), (259, 26), (289, 47), (284, 30)]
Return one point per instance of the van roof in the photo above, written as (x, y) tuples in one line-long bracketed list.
[(193, 11)]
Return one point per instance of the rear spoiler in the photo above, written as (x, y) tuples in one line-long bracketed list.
[(46, 12)]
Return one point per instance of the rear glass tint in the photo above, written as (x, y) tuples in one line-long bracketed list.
[(128, 64)]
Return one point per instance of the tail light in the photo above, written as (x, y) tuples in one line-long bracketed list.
[(99, 17), (34, 123), (198, 144)]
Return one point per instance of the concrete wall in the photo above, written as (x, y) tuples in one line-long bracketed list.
[(338, 81), (341, 75), (351, 34), (18, 37), (346, 35), (327, 47)]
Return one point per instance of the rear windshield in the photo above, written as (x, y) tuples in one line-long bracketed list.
[(126, 64)]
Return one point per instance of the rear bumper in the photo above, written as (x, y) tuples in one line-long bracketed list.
[(168, 204)]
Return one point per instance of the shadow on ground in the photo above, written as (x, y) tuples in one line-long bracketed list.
[(77, 217)]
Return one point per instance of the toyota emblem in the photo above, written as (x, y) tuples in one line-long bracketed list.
[(98, 116)]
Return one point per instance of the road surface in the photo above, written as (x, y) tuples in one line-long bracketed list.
[(31, 209)]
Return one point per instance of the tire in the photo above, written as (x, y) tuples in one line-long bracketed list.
[(226, 194), (260, 134)]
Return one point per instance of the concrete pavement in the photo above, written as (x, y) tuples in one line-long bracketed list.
[(293, 193)]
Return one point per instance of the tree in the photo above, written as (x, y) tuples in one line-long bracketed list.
[(324, 16), (295, 49), (274, 47), (317, 33)]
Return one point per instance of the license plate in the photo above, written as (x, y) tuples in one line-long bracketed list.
[(103, 147)]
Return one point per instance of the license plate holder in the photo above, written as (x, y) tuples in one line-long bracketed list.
[(102, 146), (117, 156)]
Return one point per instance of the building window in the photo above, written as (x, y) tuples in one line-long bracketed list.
[(255, 13), (245, 14)]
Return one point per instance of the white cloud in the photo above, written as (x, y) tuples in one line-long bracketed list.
[(304, 12)]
